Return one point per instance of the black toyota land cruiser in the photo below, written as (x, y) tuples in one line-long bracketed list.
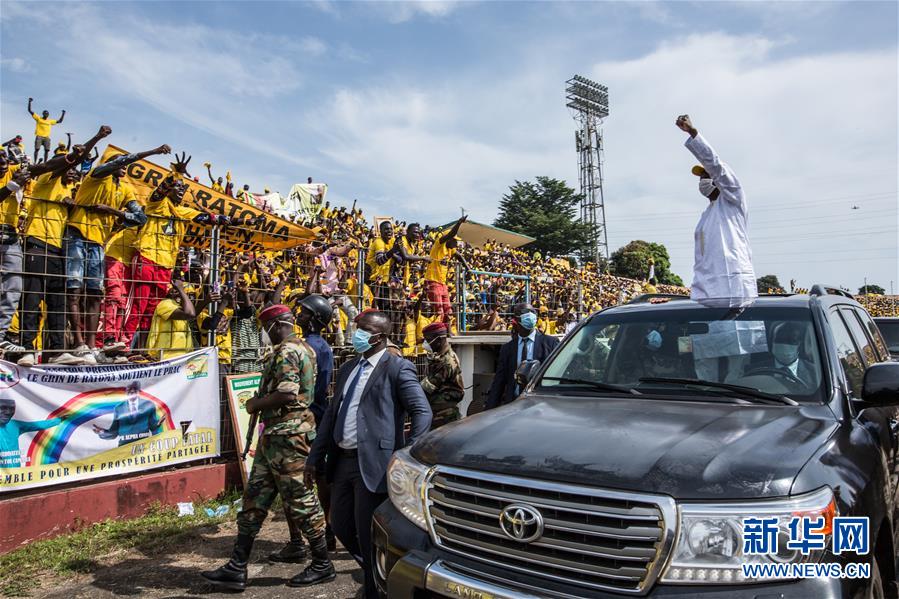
[(637, 450)]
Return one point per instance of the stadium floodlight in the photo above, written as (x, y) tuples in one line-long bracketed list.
[(587, 97), (590, 102)]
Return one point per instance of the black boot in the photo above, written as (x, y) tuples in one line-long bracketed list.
[(330, 538), (320, 570), (233, 575), (292, 553)]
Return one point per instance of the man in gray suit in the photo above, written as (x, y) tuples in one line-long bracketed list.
[(359, 432)]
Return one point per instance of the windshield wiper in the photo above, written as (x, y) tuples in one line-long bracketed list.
[(594, 384), (739, 389)]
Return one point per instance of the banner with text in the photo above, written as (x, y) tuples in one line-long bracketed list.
[(241, 388), (274, 234), (62, 424)]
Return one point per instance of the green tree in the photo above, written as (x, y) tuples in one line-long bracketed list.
[(871, 288), (633, 260), (768, 282), (547, 211)]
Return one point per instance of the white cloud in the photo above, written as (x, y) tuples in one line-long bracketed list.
[(793, 134), (313, 46), (399, 11), (16, 65)]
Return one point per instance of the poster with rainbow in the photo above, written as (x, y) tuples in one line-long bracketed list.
[(63, 424)]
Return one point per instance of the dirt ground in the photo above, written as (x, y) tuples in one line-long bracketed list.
[(175, 572)]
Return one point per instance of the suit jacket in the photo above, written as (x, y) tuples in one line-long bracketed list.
[(130, 427), (391, 392), (502, 390), (804, 371)]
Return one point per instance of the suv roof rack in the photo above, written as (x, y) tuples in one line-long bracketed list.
[(821, 289), (644, 298)]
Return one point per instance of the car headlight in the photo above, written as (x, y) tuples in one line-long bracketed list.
[(406, 486), (709, 546)]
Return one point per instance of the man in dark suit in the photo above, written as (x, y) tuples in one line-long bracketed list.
[(133, 419), (527, 344), (359, 432), (785, 356)]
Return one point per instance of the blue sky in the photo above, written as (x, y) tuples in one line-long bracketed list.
[(418, 109)]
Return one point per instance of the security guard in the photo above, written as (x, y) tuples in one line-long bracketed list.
[(443, 385), (285, 395)]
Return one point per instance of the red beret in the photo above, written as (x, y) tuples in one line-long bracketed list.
[(435, 328), (273, 312)]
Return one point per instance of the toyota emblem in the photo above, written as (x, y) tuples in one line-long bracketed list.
[(521, 522)]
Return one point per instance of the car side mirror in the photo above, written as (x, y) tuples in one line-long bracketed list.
[(526, 371), (881, 384)]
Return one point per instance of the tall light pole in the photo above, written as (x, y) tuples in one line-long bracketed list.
[(590, 102)]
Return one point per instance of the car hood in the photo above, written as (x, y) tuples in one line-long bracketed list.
[(686, 449)]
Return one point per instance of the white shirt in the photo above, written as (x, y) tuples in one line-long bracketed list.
[(722, 264), (794, 367), (532, 337), (349, 429)]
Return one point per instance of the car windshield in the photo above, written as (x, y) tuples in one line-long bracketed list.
[(762, 349), (890, 331)]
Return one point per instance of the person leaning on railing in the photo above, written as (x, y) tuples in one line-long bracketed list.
[(159, 242), (103, 201), (43, 265)]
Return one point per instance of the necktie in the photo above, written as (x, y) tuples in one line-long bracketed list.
[(347, 400), (523, 357), (524, 349)]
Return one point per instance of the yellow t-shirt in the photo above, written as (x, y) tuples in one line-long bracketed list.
[(352, 290), (161, 237), (123, 244), (423, 322), (409, 248), (222, 340), (42, 125), (410, 337), (217, 187), (379, 273), (168, 337), (439, 266), (94, 191), (47, 214), (9, 208)]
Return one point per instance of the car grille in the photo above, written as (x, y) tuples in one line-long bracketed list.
[(592, 538)]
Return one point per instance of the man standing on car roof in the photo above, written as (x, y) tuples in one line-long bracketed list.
[(722, 265)]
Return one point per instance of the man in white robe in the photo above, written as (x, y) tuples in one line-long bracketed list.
[(722, 264)]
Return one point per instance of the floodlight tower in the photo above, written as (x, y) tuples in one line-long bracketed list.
[(590, 102)]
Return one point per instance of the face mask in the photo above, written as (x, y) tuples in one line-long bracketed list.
[(361, 341), (654, 340), (785, 353), (427, 346), (706, 187), (528, 320)]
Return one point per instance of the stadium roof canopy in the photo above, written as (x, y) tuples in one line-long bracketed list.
[(477, 234)]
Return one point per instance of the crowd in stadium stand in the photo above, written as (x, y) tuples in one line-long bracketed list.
[(93, 272)]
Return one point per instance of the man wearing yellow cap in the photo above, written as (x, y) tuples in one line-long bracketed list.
[(722, 266)]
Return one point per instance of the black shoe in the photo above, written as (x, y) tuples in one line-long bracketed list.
[(230, 577), (233, 575), (292, 553), (321, 569)]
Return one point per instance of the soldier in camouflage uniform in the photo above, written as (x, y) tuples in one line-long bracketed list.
[(285, 394), (443, 385)]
